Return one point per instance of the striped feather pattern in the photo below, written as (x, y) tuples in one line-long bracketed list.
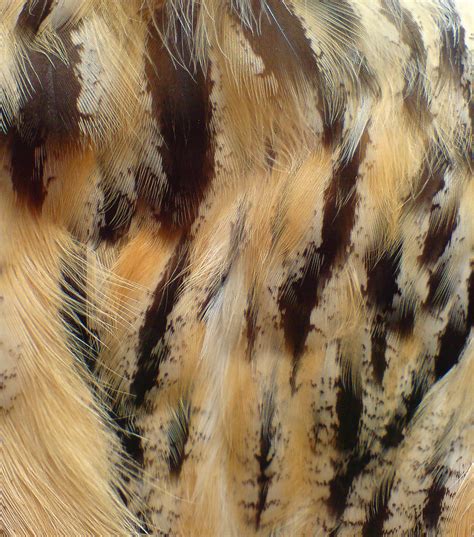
[(236, 267)]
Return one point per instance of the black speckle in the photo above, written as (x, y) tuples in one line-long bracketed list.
[(395, 430)]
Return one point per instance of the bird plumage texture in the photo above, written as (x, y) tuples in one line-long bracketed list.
[(236, 267)]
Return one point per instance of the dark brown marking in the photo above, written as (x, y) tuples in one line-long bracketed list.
[(156, 322), (117, 211), (279, 38), (382, 280), (340, 486), (216, 286), (130, 439), (414, 93), (48, 113), (455, 337), (296, 300), (339, 210), (440, 230), (27, 164), (438, 238), (396, 428), (235, 239), (181, 103), (378, 350), (438, 294), (264, 459), (430, 179), (298, 296), (33, 14), (433, 505), (51, 107), (402, 319), (348, 410), (453, 48), (83, 342), (380, 512)]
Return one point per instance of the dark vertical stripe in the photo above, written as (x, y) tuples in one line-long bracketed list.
[(155, 324), (433, 506), (438, 238), (279, 38), (453, 47), (251, 329), (264, 458), (298, 296), (378, 350), (381, 290), (339, 210), (217, 284), (296, 301), (349, 412), (340, 486), (181, 103), (382, 277)]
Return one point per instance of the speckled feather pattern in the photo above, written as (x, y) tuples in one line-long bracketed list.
[(236, 268)]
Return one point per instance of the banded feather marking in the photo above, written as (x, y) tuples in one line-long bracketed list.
[(299, 296), (415, 91), (348, 410), (180, 92), (277, 195), (455, 336), (153, 350), (433, 505)]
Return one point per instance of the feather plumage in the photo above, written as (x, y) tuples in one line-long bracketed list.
[(236, 267)]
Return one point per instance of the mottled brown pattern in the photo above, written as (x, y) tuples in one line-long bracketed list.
[(236, 268)]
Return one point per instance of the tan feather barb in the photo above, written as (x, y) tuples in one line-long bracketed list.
[(236, 268)]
